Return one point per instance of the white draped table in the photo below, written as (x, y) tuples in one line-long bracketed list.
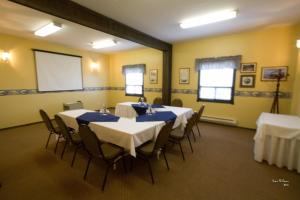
[(277, 140), (183, 114), (126, 133)]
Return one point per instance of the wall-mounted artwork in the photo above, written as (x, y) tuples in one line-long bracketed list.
[(272, 73), (248, 67), (184, 75), (153, 76), (247, 81)]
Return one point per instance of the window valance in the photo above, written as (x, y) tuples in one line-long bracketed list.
[(227, 62), (137, 68)]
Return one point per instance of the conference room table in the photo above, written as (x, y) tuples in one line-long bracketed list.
[(277, 140), (128, 133), (126, 109)]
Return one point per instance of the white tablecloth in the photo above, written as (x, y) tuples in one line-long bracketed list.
[(126, 133), (183, 114), (277, 140)]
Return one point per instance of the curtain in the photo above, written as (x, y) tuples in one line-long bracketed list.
[(137, 68), (229, 62)]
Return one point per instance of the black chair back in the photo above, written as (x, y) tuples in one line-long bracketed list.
[(177, 103), (140, 99), (47, 121), (163, 136), (90, 141), (158, 100), (200, 112), (63, 128), (190, 124)]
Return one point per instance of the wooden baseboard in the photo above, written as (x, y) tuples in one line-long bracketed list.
[(18, 126)]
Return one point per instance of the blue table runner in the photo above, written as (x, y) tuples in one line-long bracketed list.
[(88, 117), (158, 116)]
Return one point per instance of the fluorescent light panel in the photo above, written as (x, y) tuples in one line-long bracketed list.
[(48, 29), (104, 44), (298, 44), (209, 18)]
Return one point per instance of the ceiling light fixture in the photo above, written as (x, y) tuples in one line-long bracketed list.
[(104, 44), (208, 18), (48, 29), (298, 44)]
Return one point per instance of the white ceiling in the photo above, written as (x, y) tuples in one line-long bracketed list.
[(158, 18), (22, 21)]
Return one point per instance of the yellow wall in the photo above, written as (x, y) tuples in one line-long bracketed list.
[(153, 60), (270, 46), (19, 73), (295, 109)]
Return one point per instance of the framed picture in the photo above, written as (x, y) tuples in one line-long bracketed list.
[(248, 67), (247, 81), (184, 75), (153, 76), (272, 73)]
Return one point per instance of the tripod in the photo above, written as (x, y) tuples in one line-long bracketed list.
[(275, 104)]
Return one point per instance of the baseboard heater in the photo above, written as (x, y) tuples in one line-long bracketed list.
[(219, 120)]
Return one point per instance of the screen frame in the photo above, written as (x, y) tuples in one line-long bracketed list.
[(58, 53)]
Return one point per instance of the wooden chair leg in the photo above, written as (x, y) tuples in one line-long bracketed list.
[(163, 152), (105, 177), (150, 170), (181, 150), (48, 140), (62, 153), (87, 168)]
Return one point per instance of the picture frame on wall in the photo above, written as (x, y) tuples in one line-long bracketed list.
[(247, 81), (272, 73), (153, 76), (248, 67), (184, 75)]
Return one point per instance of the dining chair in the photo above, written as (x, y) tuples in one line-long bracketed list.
[(158, 101), (73, 105), (53, 130), (151, 148), (177, 135), (199, 115), (70, 138), (95, 148), (140, 99), (177, 103)]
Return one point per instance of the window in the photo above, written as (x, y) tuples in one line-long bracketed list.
[(134, 79), (217, 78), (134, 83)]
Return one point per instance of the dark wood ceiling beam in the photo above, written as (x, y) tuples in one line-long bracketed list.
[(76, 13)]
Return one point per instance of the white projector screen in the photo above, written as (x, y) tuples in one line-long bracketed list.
[(58, 72)]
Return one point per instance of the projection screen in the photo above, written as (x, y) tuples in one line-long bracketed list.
[(58, 72)]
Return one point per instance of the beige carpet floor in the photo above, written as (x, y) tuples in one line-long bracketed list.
[(222, 167)]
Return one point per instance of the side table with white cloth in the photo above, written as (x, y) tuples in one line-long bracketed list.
[(125, 132), (277, 140), (125, 109)]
